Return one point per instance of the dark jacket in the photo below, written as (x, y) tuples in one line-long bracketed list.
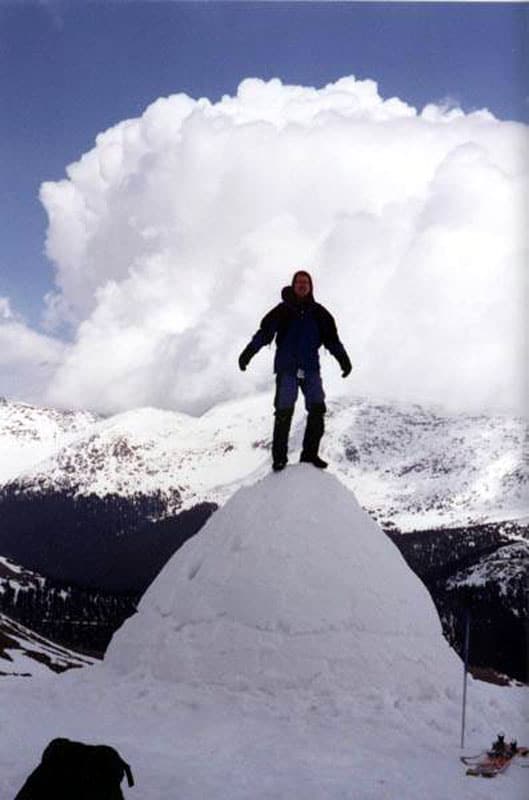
[(299, 328)]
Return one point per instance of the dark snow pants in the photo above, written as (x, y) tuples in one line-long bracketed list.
[(288, 384), (287, 387)]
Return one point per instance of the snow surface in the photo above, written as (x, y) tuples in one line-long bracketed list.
[(286, 651)]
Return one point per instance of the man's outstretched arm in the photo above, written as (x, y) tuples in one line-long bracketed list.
[(265, 334), (331, 341)]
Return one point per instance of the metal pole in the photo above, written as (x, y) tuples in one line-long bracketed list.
[(467, 640)]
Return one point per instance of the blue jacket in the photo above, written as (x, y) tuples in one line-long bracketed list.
[(299, 328)]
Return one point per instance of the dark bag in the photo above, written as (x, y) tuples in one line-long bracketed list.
[(74, 770)]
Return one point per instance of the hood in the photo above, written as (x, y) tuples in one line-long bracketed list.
[(287, 293), (288, 296), (307, 274)]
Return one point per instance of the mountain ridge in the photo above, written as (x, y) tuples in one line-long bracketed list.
[(406, 463)]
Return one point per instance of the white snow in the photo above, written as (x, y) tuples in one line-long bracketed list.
[(29, 435), (286, 651), (410, 465), (147, 451), (289, 584), (26, 653)]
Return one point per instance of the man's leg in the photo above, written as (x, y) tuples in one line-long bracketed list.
[(315, 404), (285, 398)]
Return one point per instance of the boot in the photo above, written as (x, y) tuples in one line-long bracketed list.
[(283, 418), (315, 460), (311, 440)]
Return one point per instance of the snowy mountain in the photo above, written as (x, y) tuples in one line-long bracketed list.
[(30, 434), (285, 651), (419, 468), (24, 653), (78, 618), (410, 466), (148, 451)]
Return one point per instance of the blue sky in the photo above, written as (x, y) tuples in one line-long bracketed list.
[(69, 71)]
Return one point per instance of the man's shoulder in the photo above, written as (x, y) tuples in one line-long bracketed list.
[(325, 321), (277, 309), (275, 313), (321, 311)]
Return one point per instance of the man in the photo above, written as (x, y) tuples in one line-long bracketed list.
[(300, 326)]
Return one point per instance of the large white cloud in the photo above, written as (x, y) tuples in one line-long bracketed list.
[(174, 235), (28, 359)]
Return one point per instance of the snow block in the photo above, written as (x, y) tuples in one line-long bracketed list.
[(290, 585)]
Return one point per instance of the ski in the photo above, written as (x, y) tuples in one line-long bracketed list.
[(494, 761), (488, 766)]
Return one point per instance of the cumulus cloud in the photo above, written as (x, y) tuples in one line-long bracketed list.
[(28, 360), (174, 235)]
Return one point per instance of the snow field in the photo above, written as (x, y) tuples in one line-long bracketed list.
[(197, 742), (286, 651)]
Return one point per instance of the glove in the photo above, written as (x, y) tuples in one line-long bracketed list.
[(346, 368), (245, 358)]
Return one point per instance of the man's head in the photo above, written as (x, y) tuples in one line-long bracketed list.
[(302, 284)]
